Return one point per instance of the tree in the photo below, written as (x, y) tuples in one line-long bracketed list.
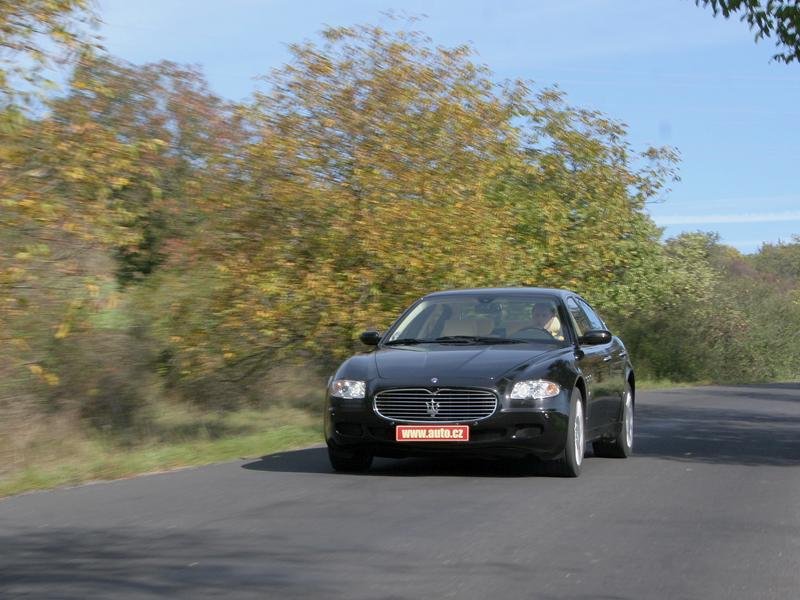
[(378, 167), (364, 182), (101, 189), (781, 260), (579, 206), (145, 142), (770, 18), (36, 35)]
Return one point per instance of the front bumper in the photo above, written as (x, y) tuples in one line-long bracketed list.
[(540, 431)]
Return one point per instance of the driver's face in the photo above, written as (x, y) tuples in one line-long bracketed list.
[(541, 315)]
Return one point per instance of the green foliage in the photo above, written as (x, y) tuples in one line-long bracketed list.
[(781, 261), (722, 320), (770, 18)]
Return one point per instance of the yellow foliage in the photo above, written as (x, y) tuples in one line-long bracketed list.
[(62, 331), (35, 369)]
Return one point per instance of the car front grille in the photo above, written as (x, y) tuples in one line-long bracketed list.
[(442, 405)]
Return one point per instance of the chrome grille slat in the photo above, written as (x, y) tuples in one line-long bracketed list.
[(454, 404), (464, 404)]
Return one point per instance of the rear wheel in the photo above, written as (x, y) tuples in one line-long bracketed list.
[(569, 465), (620, 446), (349, 460)]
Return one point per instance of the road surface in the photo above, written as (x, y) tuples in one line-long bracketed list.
[(709, 507)]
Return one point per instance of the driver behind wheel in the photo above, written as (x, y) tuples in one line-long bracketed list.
[(544, 316)]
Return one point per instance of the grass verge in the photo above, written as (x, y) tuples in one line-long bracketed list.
[(46, 454)]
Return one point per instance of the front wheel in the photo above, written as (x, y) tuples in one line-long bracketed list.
[(569, 465), (620, 446), (350, 460)]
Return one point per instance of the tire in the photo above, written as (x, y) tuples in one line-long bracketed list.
[(569, 465), (351, 460), (620, 446)]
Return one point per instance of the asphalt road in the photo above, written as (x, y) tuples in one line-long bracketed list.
[(708, 508)]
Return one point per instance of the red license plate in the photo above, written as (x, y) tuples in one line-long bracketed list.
[(432, 433)]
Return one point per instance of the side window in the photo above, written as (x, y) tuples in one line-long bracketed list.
[(595, 321), (579, 318)]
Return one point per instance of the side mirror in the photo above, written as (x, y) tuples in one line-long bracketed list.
[(594, 337), (370, 338)]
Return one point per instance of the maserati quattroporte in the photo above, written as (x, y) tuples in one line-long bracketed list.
[(525, 372)]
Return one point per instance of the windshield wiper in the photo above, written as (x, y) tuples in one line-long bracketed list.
[(494, 340), (477, 339), (405, 341)]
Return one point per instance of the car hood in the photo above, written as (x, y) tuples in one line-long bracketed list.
[(447, 362)]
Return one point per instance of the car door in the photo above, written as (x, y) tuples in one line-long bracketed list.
[(614, 357), (592, 365)]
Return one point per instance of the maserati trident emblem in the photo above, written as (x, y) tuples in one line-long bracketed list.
[(432, 407)]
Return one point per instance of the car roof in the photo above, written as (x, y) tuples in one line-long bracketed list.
[(510, 291)]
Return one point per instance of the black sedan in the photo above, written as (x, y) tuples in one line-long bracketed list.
[(525, 372)]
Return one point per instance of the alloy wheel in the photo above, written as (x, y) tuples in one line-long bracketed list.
[(578, 436), (628, 419)]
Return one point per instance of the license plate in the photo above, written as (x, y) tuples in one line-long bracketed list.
[(432, 433)]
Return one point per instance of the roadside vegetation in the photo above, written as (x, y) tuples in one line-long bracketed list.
[(179, 273), (51, 451)]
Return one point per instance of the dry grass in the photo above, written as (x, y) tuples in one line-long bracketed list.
[(44, 451)]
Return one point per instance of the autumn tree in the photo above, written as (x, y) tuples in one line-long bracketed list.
[(380, 167), (579, 204), (145, 148), (36, 37), (101, 190)]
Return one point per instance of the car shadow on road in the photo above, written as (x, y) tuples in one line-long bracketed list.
[(315, 460)]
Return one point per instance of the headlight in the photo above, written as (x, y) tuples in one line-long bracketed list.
[(534, 389), (349, 389)]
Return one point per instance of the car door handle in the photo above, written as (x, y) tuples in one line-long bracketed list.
[(622, 354), (607, 358)]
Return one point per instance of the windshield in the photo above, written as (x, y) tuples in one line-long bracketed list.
[(482, 318)]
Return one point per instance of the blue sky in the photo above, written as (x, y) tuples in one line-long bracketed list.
[(667, 68)]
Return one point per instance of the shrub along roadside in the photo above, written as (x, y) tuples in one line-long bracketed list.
[(52, 453)]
